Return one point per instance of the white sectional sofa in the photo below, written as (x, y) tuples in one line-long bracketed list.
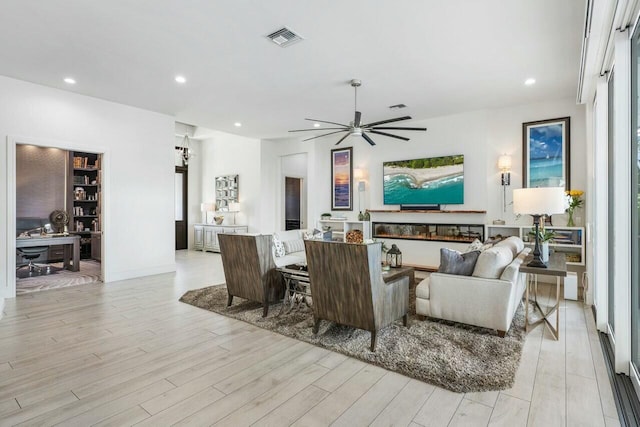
[(293, 243), (489, 298)]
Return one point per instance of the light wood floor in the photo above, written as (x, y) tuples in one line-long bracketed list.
[(129, 353)]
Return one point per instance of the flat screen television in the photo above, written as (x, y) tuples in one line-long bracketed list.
[(427, 181)]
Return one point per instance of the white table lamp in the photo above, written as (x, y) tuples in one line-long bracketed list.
[(234, 207), (538, 202), (206, 208)]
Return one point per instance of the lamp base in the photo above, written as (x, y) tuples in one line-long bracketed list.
[(537, 263)]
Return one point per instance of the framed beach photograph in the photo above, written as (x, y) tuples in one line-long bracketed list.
[(341, 179), (545, 153)]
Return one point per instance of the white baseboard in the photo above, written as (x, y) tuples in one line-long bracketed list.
[(115, 276)]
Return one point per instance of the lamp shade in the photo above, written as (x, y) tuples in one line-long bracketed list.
[(504, 163), (539, 201), (207, 207), (234, 207)]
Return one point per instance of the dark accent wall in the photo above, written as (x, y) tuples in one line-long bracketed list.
[(40, 180)]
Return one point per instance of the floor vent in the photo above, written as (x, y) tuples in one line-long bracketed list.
[(284, 37)]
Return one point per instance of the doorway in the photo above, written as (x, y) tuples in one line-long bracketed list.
[(181, 178), (53, 197), (293, 209), (292, 202)]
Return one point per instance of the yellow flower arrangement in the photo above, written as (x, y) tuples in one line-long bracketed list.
[(574, 200)]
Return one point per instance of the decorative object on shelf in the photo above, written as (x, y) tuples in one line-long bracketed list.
[(538, 202), (545, 153), (218, 219), (394, 257), (60, 220), (325, 216), (360, 216), (357, 128), (574, 201), (206, 208), (504, 164), (354, 236), (342, 179), (367, 215)]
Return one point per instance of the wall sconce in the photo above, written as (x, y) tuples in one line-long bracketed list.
[(206, 208), (504, 164), (359, 175)]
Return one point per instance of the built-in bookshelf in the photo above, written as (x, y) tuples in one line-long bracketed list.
[(85, 199)]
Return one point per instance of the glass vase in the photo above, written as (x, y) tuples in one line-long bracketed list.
[(570, 222)]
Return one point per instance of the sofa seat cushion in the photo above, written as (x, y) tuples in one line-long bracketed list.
[(454, 262), (291, 259), (422, 290), (492, 262)]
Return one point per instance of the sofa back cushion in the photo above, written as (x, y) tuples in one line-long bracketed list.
[(291, 246), (492, 262), (514, 243), (454, 262), (289, 235), (510, 273)]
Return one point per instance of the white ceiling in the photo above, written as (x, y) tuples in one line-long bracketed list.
[(437, 57)]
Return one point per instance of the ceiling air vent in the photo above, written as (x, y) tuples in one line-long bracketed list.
[(284, 37)]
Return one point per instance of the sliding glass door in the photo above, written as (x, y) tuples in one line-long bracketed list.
[(611, 231), (635, 197)]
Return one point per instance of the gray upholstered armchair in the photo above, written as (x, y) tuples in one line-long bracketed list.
[(249, 269), (347, 287)]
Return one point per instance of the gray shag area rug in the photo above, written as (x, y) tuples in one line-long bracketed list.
[(457, 357)]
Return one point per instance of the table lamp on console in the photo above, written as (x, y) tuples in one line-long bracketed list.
[(538, 202)]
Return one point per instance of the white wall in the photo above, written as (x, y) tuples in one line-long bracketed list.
[(482, 136), (138, 214), (226, 154)]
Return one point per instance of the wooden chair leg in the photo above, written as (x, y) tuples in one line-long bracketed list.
[(229, 300), (502, 334), (373, 340), (405, 320), (316, 326)]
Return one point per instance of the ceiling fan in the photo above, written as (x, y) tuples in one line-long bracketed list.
[(357, 128)]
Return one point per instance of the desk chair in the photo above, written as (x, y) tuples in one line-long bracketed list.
[(31, 254)]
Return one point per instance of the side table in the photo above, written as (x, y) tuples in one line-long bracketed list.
[(556, 267), (297, 288), (397, 272)]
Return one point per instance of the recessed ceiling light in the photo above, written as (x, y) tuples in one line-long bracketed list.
[(237, 124), (530, 82), (181, 79), (316, 125), (69, 80)]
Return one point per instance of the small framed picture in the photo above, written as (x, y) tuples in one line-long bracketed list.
[(342, 179)]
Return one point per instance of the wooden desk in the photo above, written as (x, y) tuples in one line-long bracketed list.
[(556, 267), (71, 247)]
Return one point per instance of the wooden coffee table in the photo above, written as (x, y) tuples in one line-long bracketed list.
[(396, 273)]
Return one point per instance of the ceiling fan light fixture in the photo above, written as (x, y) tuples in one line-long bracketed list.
[(356, 132)]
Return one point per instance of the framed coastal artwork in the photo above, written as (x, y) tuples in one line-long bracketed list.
[(341, 179), (545, 153)]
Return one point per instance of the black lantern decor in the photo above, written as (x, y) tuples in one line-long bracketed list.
[(394, 257)]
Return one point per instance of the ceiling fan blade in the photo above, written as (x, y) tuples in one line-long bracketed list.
[(320, 136), (342, 139), (387, 134), (398, 119), (356, 120), (316, 129), (324, 121), (369, 140), (396, 128)]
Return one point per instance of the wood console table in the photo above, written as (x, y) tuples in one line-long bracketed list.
[(556, 267), (71, 247)]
